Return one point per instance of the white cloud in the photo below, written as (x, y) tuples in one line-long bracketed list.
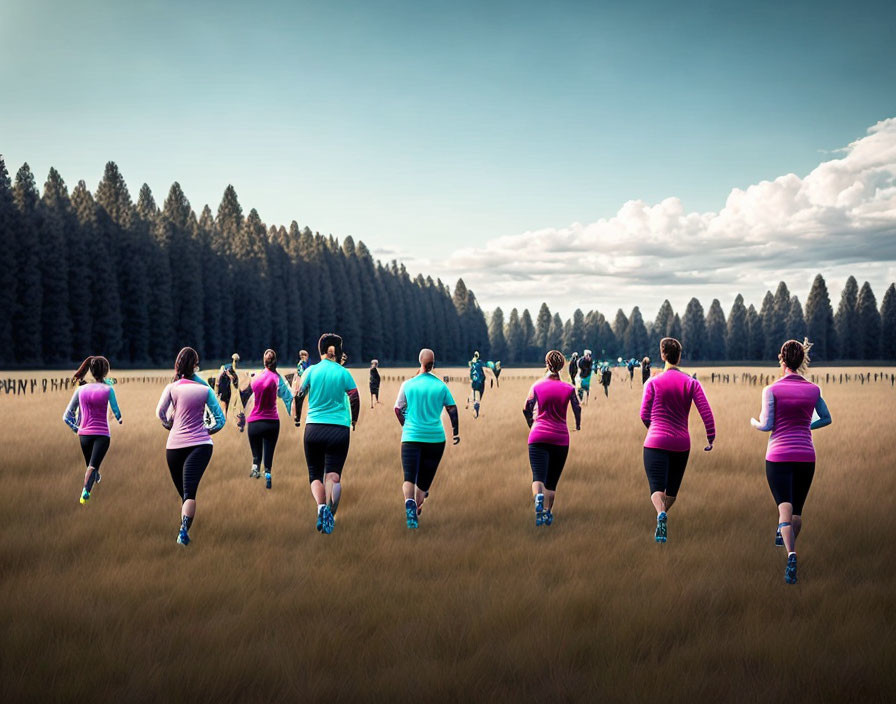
[(838, 219)]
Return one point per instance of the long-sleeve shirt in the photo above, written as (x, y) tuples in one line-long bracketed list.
[(546, 408), (665, 407), (266, 387), (87, 410), (188, 400), (787, 409), (374, 378)]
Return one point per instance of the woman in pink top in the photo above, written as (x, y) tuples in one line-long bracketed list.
[(664, 410), (545, 412), (264, 423), (788, 406), (189, 449), (87, 416)]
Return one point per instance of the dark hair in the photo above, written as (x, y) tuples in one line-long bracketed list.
[(555, 361), (671, 349), (270, 360), (98, 366), (328, 340), (795, 355), (303, 352), (186, 362)]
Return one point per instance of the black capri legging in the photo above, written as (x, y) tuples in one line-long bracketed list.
[(187, 465), (665, 469), (790, 482), (263, 436), (420, 460), (326, 449), (94, 448), (547, 462)]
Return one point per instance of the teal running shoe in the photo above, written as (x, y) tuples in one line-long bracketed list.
[(85, 497), (267, 480), (548, 517), (410, 511), (328, 522), (320, 521), (539, 509), (660, 534), (790, 570), (183, 538), (779, 539)]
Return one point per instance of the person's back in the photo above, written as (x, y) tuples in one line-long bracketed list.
[(665, 408), (189, 399), (795, 399), (552, 398), (425, 396), (327, 383), (266, 387), (93, 400)]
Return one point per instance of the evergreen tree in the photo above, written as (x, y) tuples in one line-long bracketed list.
[(254, 332), (888, 324), (348, 307), (737, 341), (608, 344), (767, 316), (635, 340), (820, 321), (478, 325), (278, 274), (212, 266), (675, 329), (716, 327), (868, 323), (310, 285), (529, 345), (846, 322), (755, 348), (781, 310), (29, 286), (620, 324), (496, 334), (158, 275), (372, 304), (57, 223), (174, 231), (543, 329), (662, 325), (577, 331), (8, 278), (513, 334), (796, 321), (693, 332), (555, 337)]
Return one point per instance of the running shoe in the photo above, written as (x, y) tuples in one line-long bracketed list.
[(476, 408), (98, 478), (255, 473), (320, 521), (328, 522), (85, 496), (410, 511), (548, 517), (183, 538), (779, 539), (790, 570), (267, 480), (539, 509), (660, 534)]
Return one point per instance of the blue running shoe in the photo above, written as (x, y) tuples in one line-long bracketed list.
[(255, 474), (548, 517), (328, 522), (320, 520), (410, 511), (183, 538), (660, 534), (85, 496), (539, 509), (97, 476), (790, 570), (476, 408), (779, 539), (267, 480)]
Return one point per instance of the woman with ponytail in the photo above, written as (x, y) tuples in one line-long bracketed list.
[(87, 416), (263, 421), (545, 412), (189, 449), (788, 406)]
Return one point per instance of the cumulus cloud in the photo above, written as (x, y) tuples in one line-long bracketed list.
[(838, 219)]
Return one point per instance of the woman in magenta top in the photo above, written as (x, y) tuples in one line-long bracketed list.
[(545, 412), (189, 449), (264, 422), (788, 407), (664, 410), (87, 415)]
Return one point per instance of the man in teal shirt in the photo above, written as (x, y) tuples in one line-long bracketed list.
[(419, 410)]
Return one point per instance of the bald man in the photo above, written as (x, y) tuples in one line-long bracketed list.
[(419, 410)]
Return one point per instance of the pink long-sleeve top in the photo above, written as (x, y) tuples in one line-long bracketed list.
[(665, 408), (266, 387), (188, 400), (548, 402), (87, 411), (787, 408)]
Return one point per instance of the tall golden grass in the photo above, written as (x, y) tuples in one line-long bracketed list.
[(99, 603)]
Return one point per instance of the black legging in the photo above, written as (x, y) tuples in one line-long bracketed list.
[(420, 460), (187, 465), (547, 461), (790, 482), (326, 449), (94, 448), (263, 436)]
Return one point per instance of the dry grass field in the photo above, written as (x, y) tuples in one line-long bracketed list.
[(99, 603)]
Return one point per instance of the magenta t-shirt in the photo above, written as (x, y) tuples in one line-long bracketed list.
[(94, 401), (665, 408), (264, 388), (552, 398)]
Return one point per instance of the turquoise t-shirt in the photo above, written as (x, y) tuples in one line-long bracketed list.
[(422, 399), (326, 384)]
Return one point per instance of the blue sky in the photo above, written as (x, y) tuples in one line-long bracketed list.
[(425, 130)]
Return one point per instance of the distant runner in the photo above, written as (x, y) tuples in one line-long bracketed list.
[(586, 366), (374, 383), (264, 422)]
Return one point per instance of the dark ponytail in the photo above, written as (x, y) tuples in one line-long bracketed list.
[(97, 366), (795, 355), (270, 360), (186, 362)]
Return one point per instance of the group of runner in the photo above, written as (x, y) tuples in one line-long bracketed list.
[(788, 407)]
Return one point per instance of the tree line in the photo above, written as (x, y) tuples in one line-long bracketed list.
[(97, 273), (857, 331)]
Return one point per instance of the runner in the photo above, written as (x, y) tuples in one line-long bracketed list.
[(606, 376), (419, 410), (787, 408), (87, 416), (263, 422), (586, 366), (645, 370), (573, 368), (189, 448), (374, 383), (303, 362), (545, 412), (226, 381), (664, 410), (477, 380), (630, 365), (327, 433)]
